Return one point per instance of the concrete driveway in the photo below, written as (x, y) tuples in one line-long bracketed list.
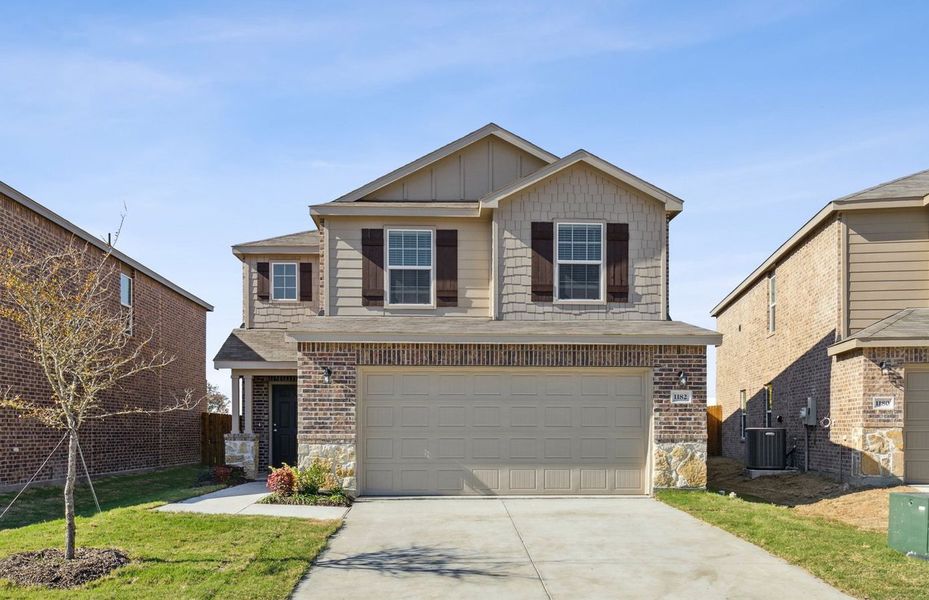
[(545, 548)]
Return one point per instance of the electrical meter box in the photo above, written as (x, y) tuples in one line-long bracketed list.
[(908, 527), (808, 412)]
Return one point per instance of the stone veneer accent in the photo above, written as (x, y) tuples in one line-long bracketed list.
[(679, 465), (580, 193), (242, 451), (326, 413)]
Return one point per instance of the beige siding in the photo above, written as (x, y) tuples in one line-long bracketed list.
[(480, 168), (271, 314), (344, 258), (888, 263), (580, 193)]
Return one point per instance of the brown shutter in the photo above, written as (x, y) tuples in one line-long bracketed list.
[(617, 262), (446, 267), (543, 241), (306, 282), (372, 267), (263, 286)]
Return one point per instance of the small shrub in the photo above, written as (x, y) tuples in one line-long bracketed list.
[(223, 475), (314, 478), (282, 481)]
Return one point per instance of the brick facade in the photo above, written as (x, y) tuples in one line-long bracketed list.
[(120, 443), (326, 413), (856, 443), (793, 359)]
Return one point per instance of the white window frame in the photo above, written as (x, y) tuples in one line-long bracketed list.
[(388, 267), (768, 405), (296, 265), (772, 302), (601, 262), (743, 415), (124, 277)]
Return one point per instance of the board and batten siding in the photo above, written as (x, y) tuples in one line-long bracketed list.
[(476, 170), (888, 263), (344, 259), (580, 194)]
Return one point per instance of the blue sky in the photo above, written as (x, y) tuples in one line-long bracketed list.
[(220, 122)]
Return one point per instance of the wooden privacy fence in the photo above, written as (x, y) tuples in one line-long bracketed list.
[(714, 430), (213, 427)]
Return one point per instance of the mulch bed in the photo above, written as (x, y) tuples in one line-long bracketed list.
[(49, 568)]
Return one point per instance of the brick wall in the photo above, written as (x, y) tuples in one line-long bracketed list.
[(326, 413), (120, 443), (794, 358), (579, 193)]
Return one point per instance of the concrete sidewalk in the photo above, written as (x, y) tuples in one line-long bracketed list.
[(242, 500)]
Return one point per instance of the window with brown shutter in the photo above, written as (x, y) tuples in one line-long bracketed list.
[(617, 262), (306, 282), (372, 267), (446, 267), (264, 288), (543, 236)]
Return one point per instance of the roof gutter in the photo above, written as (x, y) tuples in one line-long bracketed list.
[(855, 343), (412, 337)]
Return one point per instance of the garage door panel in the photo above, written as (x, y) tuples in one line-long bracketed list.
[(524, 416), (502, 431)]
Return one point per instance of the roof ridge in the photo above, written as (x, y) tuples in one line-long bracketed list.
[(886, 322)]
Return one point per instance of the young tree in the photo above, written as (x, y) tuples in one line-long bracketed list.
[(66, 307), (216, 401)]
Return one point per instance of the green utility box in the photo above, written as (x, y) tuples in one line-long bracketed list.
[(908, 528)]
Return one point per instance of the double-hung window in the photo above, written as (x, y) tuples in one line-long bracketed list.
[(409, 267), (284, 281), (579, 261), (772, 302), (743, 416), (769, 404), (125, 300)]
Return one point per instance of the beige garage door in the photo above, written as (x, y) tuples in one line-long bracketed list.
[(503, 431), (916, 427)]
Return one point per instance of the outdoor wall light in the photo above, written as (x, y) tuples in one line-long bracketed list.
[(327, 375), (885, 368), (682, 378)]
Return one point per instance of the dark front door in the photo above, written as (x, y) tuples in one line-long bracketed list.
[(283, 425)]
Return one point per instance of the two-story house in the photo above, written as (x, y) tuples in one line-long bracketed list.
[(173, 317), (837, 319), (487, 319)]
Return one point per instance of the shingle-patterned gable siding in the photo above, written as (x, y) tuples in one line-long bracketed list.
[(579, 193)]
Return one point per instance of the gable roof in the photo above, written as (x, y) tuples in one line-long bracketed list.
[(302, 242), (447, 150), (907, 191), (26, 201), (672, 203)]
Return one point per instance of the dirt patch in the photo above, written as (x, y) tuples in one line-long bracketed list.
[(808, 493), (49, 568)]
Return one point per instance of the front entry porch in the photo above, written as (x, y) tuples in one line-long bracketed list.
[(264, 424)]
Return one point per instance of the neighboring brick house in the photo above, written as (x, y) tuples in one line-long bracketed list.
[(838, 314), (178, 320), (488, 319)]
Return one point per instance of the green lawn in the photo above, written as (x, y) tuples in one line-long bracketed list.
[(174, 555), (853, 560)]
